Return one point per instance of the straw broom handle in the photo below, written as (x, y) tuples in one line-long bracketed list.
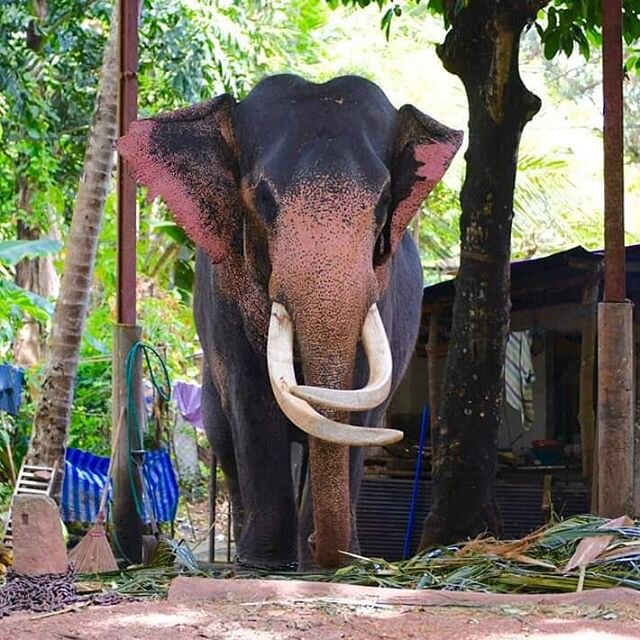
[(105, 489)]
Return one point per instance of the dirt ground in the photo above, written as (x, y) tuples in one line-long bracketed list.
[(273, 610)]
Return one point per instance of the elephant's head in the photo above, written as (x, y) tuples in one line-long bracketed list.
[(308, 188)]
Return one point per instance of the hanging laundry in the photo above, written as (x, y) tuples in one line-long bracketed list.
[(188, 398), (11, 381), (519, 376)]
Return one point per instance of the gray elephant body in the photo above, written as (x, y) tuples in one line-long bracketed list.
[(298, 196), (249, 434)]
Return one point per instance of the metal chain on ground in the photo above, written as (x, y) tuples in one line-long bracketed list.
[(44, 593), (48, 592)]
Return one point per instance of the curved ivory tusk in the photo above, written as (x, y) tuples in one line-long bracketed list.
[(378, 352), (282, 377)]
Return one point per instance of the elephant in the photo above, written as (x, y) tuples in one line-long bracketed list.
[(307, 292)]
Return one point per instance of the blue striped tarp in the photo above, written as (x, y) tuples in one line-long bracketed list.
[(85, 475)]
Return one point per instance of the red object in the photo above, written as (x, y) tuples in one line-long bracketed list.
[(545, 444)]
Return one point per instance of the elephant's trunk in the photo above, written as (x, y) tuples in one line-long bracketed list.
[(324, 285), (328, 351), (329, 474)]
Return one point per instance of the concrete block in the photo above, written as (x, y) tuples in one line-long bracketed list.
[(38, 542)]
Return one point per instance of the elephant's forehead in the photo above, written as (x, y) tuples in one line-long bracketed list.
[(345, 122)]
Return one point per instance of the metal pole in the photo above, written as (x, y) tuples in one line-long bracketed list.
[(126, 478), (615, 341), (127, 113), (614, 260)]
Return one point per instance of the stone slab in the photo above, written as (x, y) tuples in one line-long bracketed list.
[(185, 589), (38, 542)]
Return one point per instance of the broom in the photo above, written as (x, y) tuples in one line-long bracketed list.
[(93, 553)]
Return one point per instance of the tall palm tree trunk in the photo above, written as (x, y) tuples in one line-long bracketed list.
[(54, 405)]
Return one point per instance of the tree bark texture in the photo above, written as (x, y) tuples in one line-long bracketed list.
[(54, 406), (482, 48)]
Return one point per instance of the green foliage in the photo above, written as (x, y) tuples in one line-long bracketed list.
[(566, 25), (194, 51), (90, 426), (12, 251), (16, 303), (547, 217), (47, 91), (578, 25)]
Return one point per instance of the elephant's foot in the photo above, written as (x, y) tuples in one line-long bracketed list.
[(262, 567)]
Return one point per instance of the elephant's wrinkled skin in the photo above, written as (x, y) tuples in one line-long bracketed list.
[(299, 194)]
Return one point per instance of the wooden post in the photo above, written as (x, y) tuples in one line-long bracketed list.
[(615, 341), (615, 409), (586, 410), (126, 520)]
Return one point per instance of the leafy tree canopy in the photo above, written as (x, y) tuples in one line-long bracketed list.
[(565, 25)]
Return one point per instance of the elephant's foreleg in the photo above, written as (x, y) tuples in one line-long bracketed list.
[(263, 459), (221, 440)]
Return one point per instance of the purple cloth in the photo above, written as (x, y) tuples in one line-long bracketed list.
[(188, 397)]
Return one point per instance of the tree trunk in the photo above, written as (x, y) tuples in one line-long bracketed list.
[(481, 48), (37, 275), (54, 406)]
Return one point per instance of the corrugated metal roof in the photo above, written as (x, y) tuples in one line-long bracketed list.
[(558, 278)]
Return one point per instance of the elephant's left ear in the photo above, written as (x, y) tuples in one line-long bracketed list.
[(423, 151)]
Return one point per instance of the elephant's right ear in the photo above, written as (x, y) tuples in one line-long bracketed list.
[(188, 158)]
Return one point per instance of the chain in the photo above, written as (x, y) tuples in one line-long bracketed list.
[(44, 593), (47, 592)]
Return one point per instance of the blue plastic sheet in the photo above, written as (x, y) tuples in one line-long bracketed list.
[(85, 476)]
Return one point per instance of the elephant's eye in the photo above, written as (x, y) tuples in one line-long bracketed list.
[(266, 206), (382, 208)]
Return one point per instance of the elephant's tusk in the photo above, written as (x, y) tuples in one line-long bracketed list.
[(378, 352), (283, 379)]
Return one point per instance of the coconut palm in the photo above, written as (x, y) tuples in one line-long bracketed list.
[(54, 404)]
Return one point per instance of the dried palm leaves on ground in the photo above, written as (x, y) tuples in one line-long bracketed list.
[(580, 553), (567, 556)]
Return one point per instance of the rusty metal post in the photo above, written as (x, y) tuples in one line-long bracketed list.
[(614, 256), (127, 521), (127, 113), (615, 343)]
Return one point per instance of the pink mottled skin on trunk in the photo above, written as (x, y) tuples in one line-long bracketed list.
[(322, 270)]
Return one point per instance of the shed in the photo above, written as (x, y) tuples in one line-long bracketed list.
[(546, 461)]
